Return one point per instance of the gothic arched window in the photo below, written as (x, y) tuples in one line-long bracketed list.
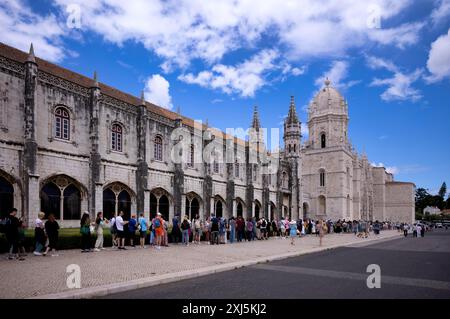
[(236, 169), (322, 177), (116, 137), (62, 123), (323, 140), (158, 148)]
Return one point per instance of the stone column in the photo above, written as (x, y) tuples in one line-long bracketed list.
[(98, 198), (234, 208), (183, 205), (147, 203), (269, 211), (32, 207)]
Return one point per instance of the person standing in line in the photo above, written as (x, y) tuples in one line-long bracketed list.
[(185, 231), (293, 231), (39, 234), (207, 230), (222, 230), (197, 225), (12, 234), (143, 227), (85, 232), (132, 227), (165, 240), (120, 223), (176, 233), (249, 229), (240, 225), (113, 230), (152, 232), (257, 229), (214, 230), (232, 224), (52, 230), (159, 230), (263, 229), (282, 228), (422, 231), (99, 225), (275, 228)]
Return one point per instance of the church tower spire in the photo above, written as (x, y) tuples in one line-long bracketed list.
[(256, 123), (292, 132)]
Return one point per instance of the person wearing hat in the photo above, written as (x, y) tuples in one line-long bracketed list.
[(292, 230)]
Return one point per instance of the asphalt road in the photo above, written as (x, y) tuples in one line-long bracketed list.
[(410, 268)]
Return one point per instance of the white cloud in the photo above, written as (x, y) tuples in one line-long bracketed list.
[(157, 91), (399, 86), (438, 63), (180, 31), (441, 11), (337, 73), (389, 169), (20, 26), (245, 78)]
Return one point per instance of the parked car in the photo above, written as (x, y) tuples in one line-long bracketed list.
[(439, 225)]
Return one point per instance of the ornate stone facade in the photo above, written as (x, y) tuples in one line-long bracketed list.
[(117, 153)]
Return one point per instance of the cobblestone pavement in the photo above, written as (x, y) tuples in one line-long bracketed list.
[(38, 275)]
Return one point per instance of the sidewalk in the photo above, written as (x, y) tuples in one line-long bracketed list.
[(114, 271)]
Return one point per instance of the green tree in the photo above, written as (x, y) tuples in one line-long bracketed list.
[(423, 199), (443, 191)]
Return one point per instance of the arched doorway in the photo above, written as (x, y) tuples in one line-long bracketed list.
[(117, 197), (164, 207), (218, 209), (219, 206), (160, 201), (124, 204), (273, 211), (6, 197), (192, 207), (239, 209), (61, 196), (72, 203), (305, 211), (322, 206), (257, 210)]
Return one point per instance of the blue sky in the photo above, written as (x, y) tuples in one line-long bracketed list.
[(215, 60)]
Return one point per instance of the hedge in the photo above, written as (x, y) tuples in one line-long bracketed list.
[(69, 238)]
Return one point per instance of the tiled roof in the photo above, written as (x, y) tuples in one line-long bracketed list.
[(53, 69)]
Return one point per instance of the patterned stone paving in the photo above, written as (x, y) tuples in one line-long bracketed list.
[(46, 275)]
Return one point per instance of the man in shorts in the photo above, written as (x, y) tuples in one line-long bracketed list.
[(120, 231)]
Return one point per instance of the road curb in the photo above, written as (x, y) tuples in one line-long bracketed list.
[(104, 290)]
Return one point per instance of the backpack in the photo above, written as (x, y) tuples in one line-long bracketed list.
[(197, 224), (157, 223), (264, 224)]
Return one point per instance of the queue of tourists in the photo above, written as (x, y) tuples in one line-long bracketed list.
[(137, 231)]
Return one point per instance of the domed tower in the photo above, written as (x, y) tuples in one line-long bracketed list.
[(327, 159), (328, 119)]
